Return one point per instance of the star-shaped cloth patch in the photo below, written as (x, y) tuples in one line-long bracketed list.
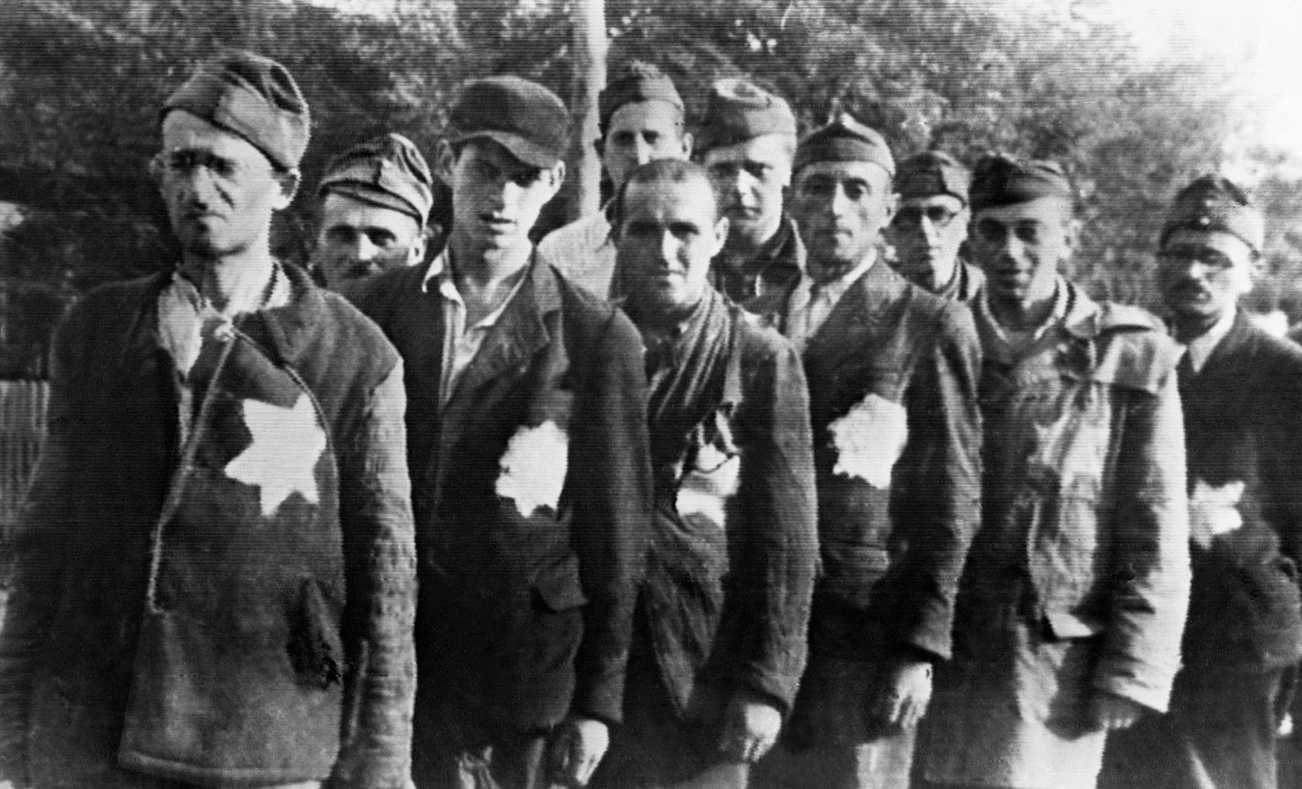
[(869, 438), (1213, 510), (281, 459)]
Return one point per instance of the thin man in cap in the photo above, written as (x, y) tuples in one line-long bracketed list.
[(641, 118), (216, 575), (930, 224), (1074, 594), (746, 142), (529, 462), (375, 202), (892, 381), (1240, 388), (719, 641)]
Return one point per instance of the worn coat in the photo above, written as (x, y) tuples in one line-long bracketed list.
[(894, 522), (235, 607), (777, 266), (1078, 580), (524, 616)]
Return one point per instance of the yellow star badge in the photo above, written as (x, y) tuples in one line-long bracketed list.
[(282, 456)]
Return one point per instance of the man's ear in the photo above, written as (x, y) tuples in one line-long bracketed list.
[(1072, 231), (556, 177), (288, 182), (445, 161), (720, 235), (687, 142)]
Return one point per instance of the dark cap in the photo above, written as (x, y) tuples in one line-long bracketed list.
[(999, 180), (844, 140), (250, 96), (529, 120), (932, 173), (636, 82), (1214, 202), (739, 110), (387, 171)]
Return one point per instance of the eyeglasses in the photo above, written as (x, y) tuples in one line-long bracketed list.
[(1184, 255), (181, 163), (910, 218)]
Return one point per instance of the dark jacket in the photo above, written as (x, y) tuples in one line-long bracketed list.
[(199, 623), (734, 543), (777, 266), (892, 553), (1243, 435), (523, 618)]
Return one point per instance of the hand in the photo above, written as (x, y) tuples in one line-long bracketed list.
[(750, 727), (1111, 712), (575, 750), (902, 693)]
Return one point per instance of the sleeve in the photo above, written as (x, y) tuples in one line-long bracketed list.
[(1150, 571), (48, 513), (611, 520), (773, 588), (379, 538), (938, 501)]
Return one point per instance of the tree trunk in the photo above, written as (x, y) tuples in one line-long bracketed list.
[(588, 19)]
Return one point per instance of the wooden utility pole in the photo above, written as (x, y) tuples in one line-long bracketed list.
[(588, 22)]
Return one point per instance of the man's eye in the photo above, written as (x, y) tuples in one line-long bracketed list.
[(725, 170), (527, 178), (382, 239), (651, 138), (758, 170), (1028, 233), (622, 139), (992, 232), (817, 188), (856, 192)]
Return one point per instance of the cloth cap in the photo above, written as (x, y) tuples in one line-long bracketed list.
[(251, 96), (528, 119), (739, 110), (1000, 180), (636, 82), (932, 173), (387, 171), (1213, 202), (844, 140)]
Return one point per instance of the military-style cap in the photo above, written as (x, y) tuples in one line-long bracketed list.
[(528, 119), (932, 173), (739, 110), (251, 96), (387, 171), (637, 81), (999, 180), (844, 140), (1214, 202)]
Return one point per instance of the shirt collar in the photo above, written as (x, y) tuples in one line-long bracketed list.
[(1201, 347), (1012, 344), (440, 275)]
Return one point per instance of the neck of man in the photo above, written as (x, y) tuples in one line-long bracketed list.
[(232, 283), (1191, 327), (743, 247), (827, 271), (486, 268), (942, 275), (1023, 314), (658, 319)]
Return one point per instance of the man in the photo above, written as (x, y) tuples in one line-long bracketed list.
[(1075, 590), (375, 203), (1240, 388), (892, 380), (641, 118), (529, 460), (719, 641), (930, 223), (746, 142), (216, 576)]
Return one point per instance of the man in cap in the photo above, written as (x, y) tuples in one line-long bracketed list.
[(640, 117), (375, 203), (892, 377), (930, 224), (216, 575), (1240, 388), (719, 640), (746, 143), (529, 460), (1074, 593)]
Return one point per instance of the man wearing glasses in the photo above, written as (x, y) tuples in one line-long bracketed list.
[(1240, 388), (930, 224)]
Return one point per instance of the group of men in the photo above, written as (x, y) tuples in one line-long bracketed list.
[(702, 490)]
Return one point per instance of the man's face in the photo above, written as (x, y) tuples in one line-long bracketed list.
[(640, 132), (1020, 247), (749, 178), (1202, 273), (496, 198), (840, 208), (926, 233), (667, 236), (358, 240), (220, 191)]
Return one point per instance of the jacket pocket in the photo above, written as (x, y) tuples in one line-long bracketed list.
[(315, 648)]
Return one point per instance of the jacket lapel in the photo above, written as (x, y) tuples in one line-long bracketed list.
[(845, 332)]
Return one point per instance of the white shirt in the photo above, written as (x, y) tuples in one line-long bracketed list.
[(460, 342), (811, 304), (1201, 347)]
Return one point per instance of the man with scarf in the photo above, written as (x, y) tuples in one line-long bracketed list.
[(719, 638)]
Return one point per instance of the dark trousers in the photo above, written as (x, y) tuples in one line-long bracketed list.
[(453, 750), (1219, 734)]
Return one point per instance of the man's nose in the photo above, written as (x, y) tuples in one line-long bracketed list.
[(364, 249), (642, 151)]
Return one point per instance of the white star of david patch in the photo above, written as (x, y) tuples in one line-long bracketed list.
[(281, 459)]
